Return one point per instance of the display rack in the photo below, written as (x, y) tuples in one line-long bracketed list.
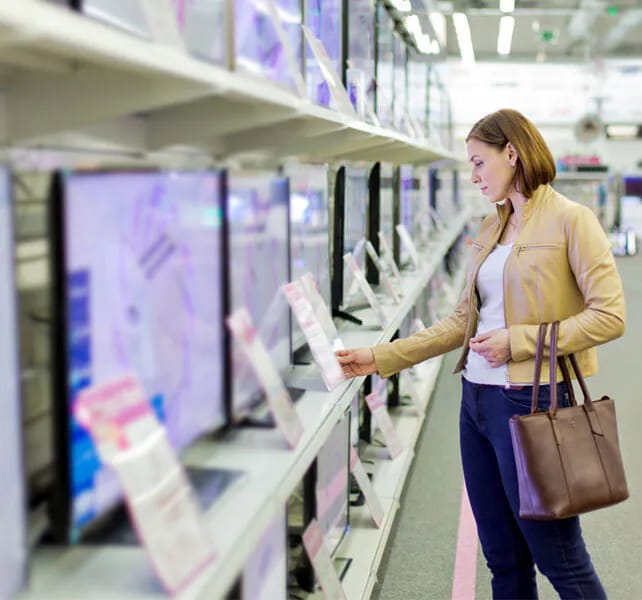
[(271, 473)]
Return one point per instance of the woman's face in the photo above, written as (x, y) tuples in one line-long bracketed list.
[(493, 169)]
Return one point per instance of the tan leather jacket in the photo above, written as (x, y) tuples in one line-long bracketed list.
[(560, 268)]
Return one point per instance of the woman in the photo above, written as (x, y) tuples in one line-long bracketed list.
[(540, 258)]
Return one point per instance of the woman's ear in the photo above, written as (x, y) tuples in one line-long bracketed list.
[(511, 154)]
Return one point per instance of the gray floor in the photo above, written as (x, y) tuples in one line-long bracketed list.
[(420, 556)]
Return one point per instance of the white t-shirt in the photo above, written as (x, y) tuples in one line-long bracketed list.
[(490, 284)]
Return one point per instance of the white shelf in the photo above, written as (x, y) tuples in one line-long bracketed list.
[(66, 72), (271, 473)]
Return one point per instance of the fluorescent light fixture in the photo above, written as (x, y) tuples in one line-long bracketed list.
[(413, 25), (438, 22), (623, 131), (464, 39), (507, 5), (401, 5), (505, 37)]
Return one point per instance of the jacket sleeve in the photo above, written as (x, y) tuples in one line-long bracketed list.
[(593, 265), (441, 337)]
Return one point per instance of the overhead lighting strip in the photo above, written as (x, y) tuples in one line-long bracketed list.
[(464, 38), (505, 36)]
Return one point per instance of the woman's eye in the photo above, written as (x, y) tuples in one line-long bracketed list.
[(478, 164)]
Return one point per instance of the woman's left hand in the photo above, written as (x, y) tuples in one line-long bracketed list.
[(493, 345)]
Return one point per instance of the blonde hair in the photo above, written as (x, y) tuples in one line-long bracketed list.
[(535, 164)]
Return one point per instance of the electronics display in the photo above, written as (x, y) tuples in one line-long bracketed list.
[(333, 484), (400, 81), (309, 231), (389, 208), (13, 551), (361, 47), (408, 208), (265, 574), (259, 49), (323, 17), (258, 252), (418, 93), (123, 14), (385, 74), (145, 300)]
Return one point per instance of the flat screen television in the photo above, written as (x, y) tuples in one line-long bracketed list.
[(324, 18), (400, 60), (350, 231), (137, 273), (385, 68), (258, 250), (418, 92), (258, 48), (408, 208), (265, 573), (13, 551), (309, 232), (383, 215), (361, 44)]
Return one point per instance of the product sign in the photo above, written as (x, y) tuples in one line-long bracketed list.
[(360, 278), (322, 562), (322, 311), (409, 245), (377, 403), (385, 280), (365, 485)]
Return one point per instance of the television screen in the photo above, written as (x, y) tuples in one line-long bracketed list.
[(13, 551), (323, 17), (138, 264), (259, 259), (258, 47), (332, 484), (407, 207), (265, 574), (361, 44), (418, 93), (355, 228), (400, 86), (309, 231), (385, 74), (387, 219)]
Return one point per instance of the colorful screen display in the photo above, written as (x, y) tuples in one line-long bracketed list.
[(13, 551), (323, 17), (309, 231), (332, 485), (143, 277), (259, 259), (259, 49), (355, 228)]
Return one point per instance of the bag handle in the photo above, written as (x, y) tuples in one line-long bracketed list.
[(555, 360)]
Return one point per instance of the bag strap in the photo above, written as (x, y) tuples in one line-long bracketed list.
[(539, 358)]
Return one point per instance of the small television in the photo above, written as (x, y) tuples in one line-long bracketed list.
[(350, 230), (265, 573), (324, 18), (309, 232), (13, 551), (385, 68), (137, 273), (360, 32), (258, 48), (258, 251)]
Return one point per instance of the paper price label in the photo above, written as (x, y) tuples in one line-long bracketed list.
[(277, 396), (365, 485), (409, 245), (322, 311), (365, 288), (409, 384), (322, 351), (390, 260), (322, 562), (164, 512), (385, 280), (376, 402)]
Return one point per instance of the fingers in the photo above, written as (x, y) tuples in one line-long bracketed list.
[(345, 357)]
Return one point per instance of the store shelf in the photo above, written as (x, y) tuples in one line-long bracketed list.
[(271, 473), (66, 72)]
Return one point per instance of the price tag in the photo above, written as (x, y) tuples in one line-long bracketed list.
[(360, 278), (163, 20), (338, 92), (409, 384), (322, 311), (320, 347), (166, 516), (377, 405), (385, 280), (388, 256), (322, 562), (409, 245), (365, 485), (277, 396)]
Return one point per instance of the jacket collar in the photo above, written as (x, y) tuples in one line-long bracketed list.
[(505, 210)]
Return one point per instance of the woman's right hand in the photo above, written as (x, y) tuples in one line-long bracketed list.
[(356, 361)]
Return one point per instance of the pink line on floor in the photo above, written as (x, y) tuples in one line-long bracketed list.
[(465, 572)]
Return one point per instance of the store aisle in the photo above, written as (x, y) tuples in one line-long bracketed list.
[(420, 557)]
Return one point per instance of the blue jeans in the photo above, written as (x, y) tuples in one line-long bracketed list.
[(513, 546)]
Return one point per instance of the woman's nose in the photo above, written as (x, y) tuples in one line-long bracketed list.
[(474, 178)]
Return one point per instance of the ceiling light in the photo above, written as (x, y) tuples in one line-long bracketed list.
[(438, 22), (464, 39), (401, 5), (623, 131), (507, 5), (412, 24), (505, 36)]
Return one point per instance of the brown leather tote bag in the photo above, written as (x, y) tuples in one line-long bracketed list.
[(568, 459)]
